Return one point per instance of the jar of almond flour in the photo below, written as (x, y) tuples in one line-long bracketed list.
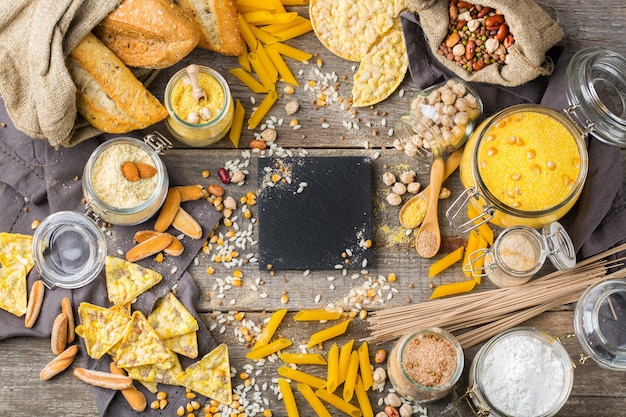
[(125, 181), (519, 252), (425, 366)]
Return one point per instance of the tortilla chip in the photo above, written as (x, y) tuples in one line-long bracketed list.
[(210, 376), (170, 318), (127, 280), (13, 292), (150, 386), (140, 344), (16, 248), (122, 309), (101, 328), (163, 373), (185, 344)]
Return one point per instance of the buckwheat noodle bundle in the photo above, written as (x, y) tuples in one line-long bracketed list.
[(488, 313)]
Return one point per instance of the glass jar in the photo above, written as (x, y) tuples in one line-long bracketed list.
[(414, 357), (599, 320), (179, 103), (519, 252), (69, 250), (439, 120), (114, 198), (520, 372), (526, 165)]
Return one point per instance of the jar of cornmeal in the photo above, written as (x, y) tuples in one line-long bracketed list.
[(519, 252), (520, 372), (202, 122), (527, 164), (125, 181), (425, 366), (439, 120)]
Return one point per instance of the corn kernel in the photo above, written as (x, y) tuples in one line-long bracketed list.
[(180, 411), (368, 243), (159, 257), (391, 277), (237, 273), (284, 299), (162, 403), (206, 173), (154, 405), (210, 270), (267, 413), (236, 282), (239, 316), (190, 395), (189, 407), (234, 254), (195, 405), (161, 395), (227, 222), (311, 83), (244, 375), (247, 214)]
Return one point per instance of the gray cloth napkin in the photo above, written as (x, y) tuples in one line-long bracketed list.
[(598, 220), (36, 180)]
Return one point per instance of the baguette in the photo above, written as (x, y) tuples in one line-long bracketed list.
[(59, 364), (66, 308), (58, 338), (109, 96), (35, 301), (148, 33), (103, 379), (134, 397), (217, 23)]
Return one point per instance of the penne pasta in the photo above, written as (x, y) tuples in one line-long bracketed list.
[(483, 229), (248, 80), (235, 130), (267, 62), (278, 27), (288, 399), (314, 401), (258, 66), (265, 37), (303, 358), (328, 333), (266, 18), (332, 376), (317, 315), (295, 31), (338, 403), (351, 374), (278, 6), (255, 4), (290, 51), (282, 67), (266, 350), (270, 328), (365, 365), (246, 33), (261, 111), (363, 399), (302, 377), (470, 247), (445, 262), (243, 60), (344, 360)]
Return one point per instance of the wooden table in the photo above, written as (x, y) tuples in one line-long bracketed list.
[(596, 391)]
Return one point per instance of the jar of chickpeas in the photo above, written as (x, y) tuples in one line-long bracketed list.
[(527, 164)]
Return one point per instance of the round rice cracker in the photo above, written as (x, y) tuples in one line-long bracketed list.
[(349, 28), (381, 71)]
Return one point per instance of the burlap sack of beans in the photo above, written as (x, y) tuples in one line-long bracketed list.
[(534, 30), (35, 38)]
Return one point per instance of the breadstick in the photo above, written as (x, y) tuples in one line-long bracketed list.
[(149, 247), (135, 398), (66, 308), (58, 338), (103, 379), (59, 363), (35, 301)]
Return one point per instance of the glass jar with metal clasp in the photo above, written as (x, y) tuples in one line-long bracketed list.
[(519, 252), (69, 248)]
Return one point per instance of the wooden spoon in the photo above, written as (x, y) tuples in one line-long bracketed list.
[(428, 237), (451, 164), (197, 91)]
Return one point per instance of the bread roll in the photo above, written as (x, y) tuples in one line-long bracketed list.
[(219, 27), (109, 96), (148, 33)]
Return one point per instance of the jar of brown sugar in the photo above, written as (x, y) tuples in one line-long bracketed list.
[(519, 252), (425, 366)]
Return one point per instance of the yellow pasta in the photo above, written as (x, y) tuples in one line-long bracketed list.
[(270, 328), (247, 34), (235, 130), (445, 262), (278, 6), (309, 315), (266, 350), (290, 51), (363, 399), (261, 111), (328, 333), (344, 360), (313, 400), (351, 374), (303, 358), (248, 80), (279, 27), (365, 365), (295, 31), (267, 18), (243, 60), (255, 4), (288, 399), (332, 376), (265, 37), (282, 67), (261, 70), (302, 377), (267, 62), (484, 228), (338, 403), (470, 247)]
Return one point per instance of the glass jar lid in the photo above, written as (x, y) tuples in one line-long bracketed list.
[(69, 250), (559, 246), (596, 92), (600, 323)]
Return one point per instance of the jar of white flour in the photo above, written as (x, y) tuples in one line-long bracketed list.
[(521, 372)]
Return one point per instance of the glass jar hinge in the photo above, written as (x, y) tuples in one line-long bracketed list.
[(461, 203), (477, 410), (589, 125), (92, 214), (158, 142)]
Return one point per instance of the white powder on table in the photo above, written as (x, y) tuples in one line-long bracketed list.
[(109, 183), (522, 376)]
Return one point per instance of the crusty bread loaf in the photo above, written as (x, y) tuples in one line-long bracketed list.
[(148, 33), (109, 96), (219, 28)]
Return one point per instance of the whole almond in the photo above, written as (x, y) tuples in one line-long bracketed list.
[(130, 171), (145, 170), (216, 190)]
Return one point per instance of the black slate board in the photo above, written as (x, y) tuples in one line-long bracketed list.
[(314, 212)]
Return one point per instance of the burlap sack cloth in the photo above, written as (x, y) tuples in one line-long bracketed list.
[(534, 30), (35, 38)]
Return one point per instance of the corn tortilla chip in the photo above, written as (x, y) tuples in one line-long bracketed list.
[(170, 318), (140, 344), (101, 328), (16, 248), (210, 376), (13, 292), (163, 373), (127, 280), (185, 344)]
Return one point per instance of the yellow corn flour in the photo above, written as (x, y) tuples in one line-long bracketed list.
[(183, 103)]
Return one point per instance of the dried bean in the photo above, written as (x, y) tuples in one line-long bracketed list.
[(502, 33), (222, 173), (470, 49)]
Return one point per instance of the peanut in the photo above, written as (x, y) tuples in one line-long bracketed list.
[(215, 190)]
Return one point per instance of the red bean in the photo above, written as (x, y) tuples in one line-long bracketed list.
[(222, 173)]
